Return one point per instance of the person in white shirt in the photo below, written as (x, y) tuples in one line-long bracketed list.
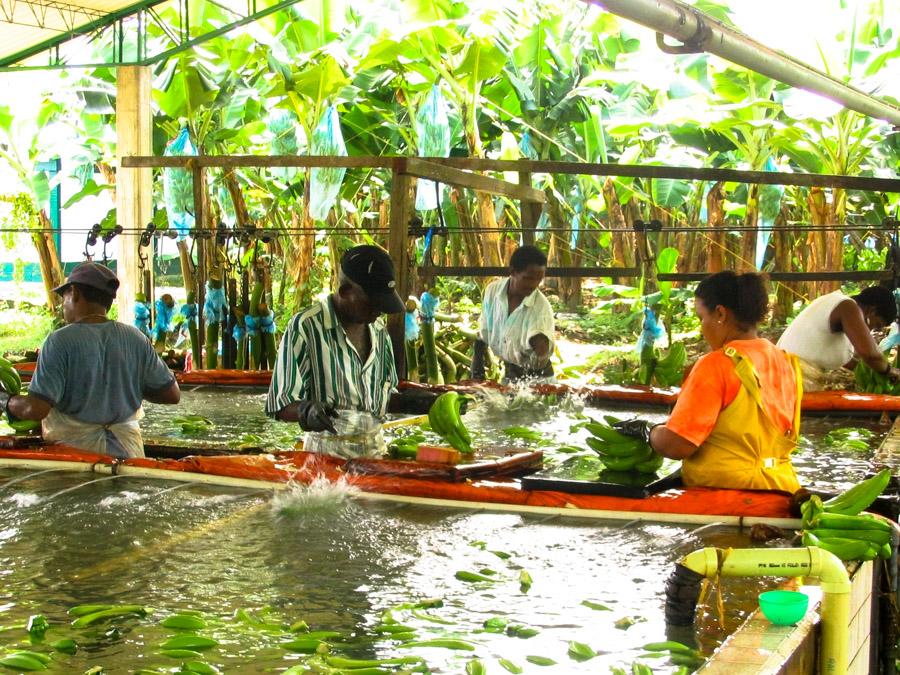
[(517, 320), (835, 331)]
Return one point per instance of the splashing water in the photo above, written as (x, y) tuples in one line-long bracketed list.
[(25, 499), (320, 496)]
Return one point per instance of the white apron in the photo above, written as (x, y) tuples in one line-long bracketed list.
[(88, 436)]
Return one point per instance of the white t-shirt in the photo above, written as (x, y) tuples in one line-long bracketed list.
[(810, 336), (508, 334)]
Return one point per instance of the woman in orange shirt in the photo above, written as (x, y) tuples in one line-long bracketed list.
[(737, 418)]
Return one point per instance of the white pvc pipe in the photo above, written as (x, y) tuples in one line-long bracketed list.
[(684, 23), (792, 562)]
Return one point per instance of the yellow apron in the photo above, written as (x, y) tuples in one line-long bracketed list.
[(745, 449)]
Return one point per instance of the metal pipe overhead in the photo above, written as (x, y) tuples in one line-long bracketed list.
[(699, 32)]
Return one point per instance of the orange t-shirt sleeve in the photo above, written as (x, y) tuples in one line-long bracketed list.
[(711, 386)]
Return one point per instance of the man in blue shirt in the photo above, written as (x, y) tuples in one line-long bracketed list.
[(93, 373)]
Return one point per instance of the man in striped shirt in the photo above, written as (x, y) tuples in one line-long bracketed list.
[(335, 372)]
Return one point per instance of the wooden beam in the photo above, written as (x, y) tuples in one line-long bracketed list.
[(877, 275), (401, 187), (134, 188), (257, 161), (587, 272), (421, 168), (538, 166)]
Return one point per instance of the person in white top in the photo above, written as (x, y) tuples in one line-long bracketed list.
[(517, 320), (835, 331)]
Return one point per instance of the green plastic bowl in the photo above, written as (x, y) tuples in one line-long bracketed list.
[(783, 608)]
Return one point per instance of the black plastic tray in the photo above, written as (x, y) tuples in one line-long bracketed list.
[(612, 484)]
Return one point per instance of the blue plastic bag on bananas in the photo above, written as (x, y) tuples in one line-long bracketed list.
[(283, 128), (178, 186), (325, 182), (428, 306), (651, 330), (433, 135), (411, 327)]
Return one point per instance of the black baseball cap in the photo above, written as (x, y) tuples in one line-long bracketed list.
[(371, 267), (93, 275)]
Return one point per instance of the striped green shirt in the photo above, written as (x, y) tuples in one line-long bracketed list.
[(316, 362)]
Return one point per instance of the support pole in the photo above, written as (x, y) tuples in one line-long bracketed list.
[(530, 211), (134, 187), (201, 210), (401, 184)]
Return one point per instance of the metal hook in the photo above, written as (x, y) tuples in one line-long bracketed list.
[(146, 238), (108, 236), (91, 241)]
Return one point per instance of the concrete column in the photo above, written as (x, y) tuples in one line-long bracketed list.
[(134, 187)]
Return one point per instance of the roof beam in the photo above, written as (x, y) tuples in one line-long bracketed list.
[(46, 14)]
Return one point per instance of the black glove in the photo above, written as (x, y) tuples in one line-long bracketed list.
[(316, 416), (479, 359), (636, 428), (413, 401)]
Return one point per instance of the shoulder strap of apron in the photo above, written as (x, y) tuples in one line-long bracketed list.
[(746, 372)]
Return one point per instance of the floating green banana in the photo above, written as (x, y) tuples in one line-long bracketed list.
[(21, 661), (183, 622), (193, 642)]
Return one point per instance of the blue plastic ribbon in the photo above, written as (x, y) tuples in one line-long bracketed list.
[(252, 324), (267, 323), (163, 323), (215, 307), (142, 317), (189, 311), (427, 305), (239, 332), (411, 327)]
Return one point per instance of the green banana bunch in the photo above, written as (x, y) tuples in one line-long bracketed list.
[(669, 371), (619, 452), (838, 526), (445, 419), (860, 496), (11, 383), (9, 378), (406, 447), (848, 549), (870, 382)]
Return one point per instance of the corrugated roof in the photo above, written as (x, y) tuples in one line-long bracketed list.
[(32, 26)]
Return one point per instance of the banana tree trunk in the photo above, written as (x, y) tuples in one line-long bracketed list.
[(622, 246), (490, 233), (48, 258), (785, 292), (560, 253), (747, 259), (715, 217), (472, 248), (818, 248), (834, 245)]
